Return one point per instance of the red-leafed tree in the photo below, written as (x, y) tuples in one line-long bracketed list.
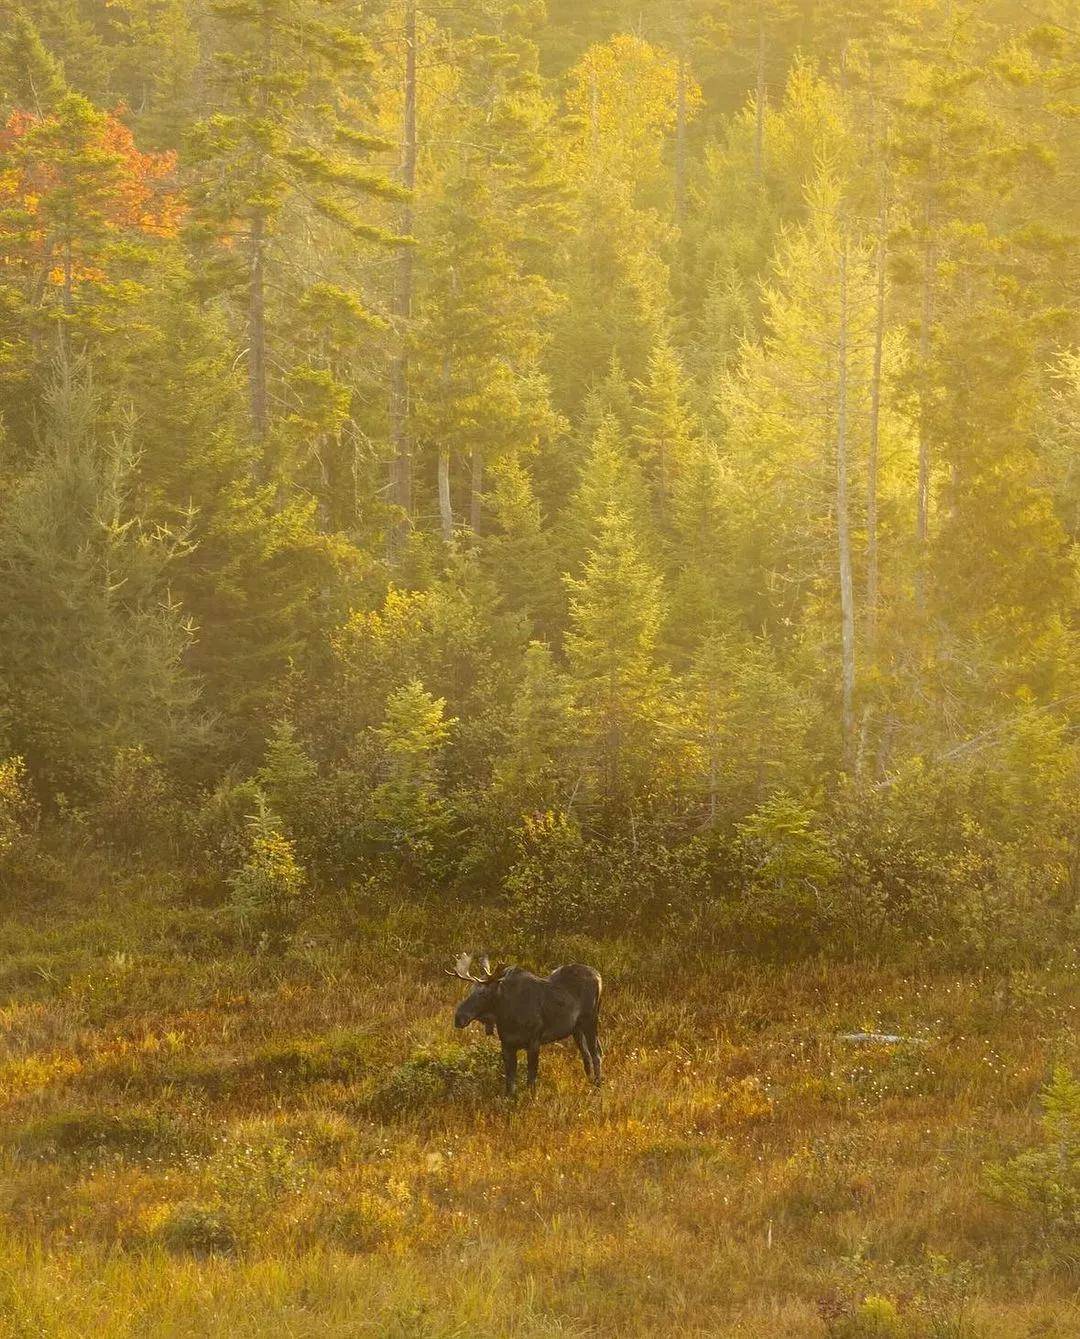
[(82, 213)]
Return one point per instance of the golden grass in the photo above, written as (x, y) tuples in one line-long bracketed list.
[(229, 1146)]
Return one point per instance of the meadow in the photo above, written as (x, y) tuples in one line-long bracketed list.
[(198, 1140)]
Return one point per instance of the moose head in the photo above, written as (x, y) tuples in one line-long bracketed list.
[(479, 1004)]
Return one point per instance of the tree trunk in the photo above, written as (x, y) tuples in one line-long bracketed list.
[(446, 512), (875, 437), (401, 467), (476, 491), (260, 415), (843, 529), (922, 528)]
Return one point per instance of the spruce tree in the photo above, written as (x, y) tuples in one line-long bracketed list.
[(93, 644), (284, 143), (620, 687)]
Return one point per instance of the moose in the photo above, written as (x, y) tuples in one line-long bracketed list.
[(530, 1011)]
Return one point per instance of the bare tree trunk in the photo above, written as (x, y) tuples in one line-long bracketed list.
[(260, 414), (401, 467), (446, 512), (922, 525), (843, 528), (476, 491), (594, 117), (875, 437)]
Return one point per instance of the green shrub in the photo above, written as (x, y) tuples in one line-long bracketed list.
[(19, 819), (874, 1317), (789, 873), (435, 1075), (216, 835), (340, 1056), (1043, 1183), (368, 1220), (200, 1229), (134, 809), (251, 1168), (268, 891), (562, 881), (132, 1134)]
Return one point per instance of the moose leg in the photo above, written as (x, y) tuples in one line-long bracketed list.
[(595, 1048), (510, 1067), (586, 1055), (534, 1063)]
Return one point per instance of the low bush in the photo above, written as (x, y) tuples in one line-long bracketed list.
[(268, 891), (20, 818), (340, 1056), (367, 1220), (562, 881), (130, 1134), (200, 1229), (1042, 1183), (135, 809), (435, 1075)]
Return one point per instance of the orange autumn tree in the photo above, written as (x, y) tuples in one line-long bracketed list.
[(81, 209)]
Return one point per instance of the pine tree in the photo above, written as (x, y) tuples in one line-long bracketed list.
[(610, 478), (487, 218), (283, 143), (92, 644), (260, 581), (533, 771), (621, 689), (518, 549), (33, 79), (665, 430)]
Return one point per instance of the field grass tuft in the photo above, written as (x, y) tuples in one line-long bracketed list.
[(228, 1144)]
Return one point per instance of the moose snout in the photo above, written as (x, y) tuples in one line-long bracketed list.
[(461, 1019)]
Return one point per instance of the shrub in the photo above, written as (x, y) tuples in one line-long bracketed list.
[(131, 1134), (432, 1076), (368, 1219), (200, 1229), (1043, 1183), (564, 882), (216, 832), (252, 1167), (874, 1317), (133, 810), (268, 890), (338, 1057), (788, 876), (19, 817)]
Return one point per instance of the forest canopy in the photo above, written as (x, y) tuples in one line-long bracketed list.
[(619, 459)]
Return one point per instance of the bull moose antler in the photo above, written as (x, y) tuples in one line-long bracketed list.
[(462, 969)]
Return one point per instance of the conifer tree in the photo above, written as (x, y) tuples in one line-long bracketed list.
[(621, 689), (84, 215), (610, 478), (284, 140), (665, 430), (92, 643), (33, 79), (259, 580), (486, 221), (536, 765)]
